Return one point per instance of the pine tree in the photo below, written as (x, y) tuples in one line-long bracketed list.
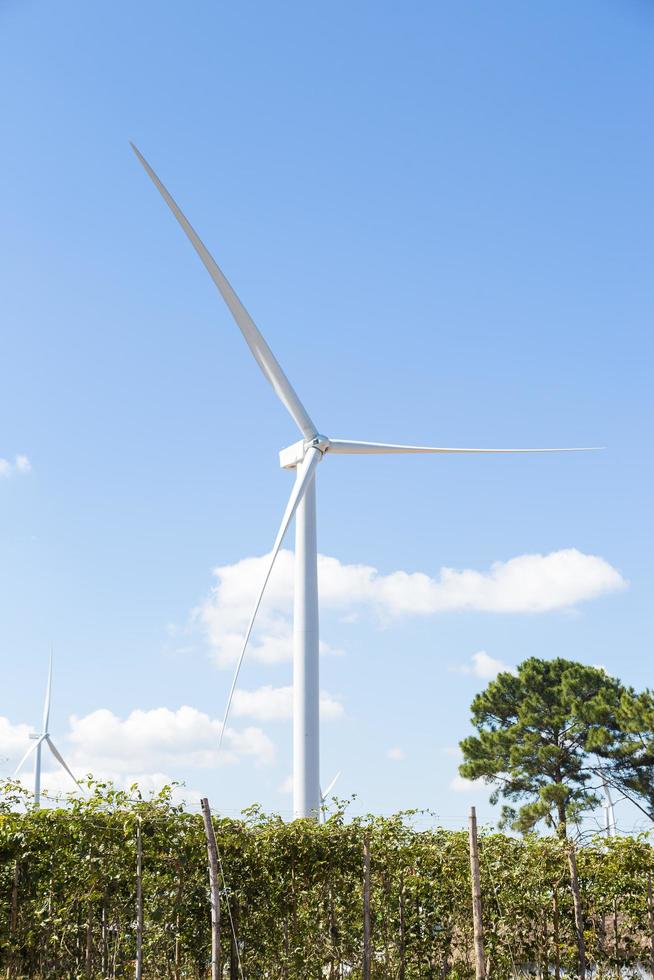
[(540, 734)]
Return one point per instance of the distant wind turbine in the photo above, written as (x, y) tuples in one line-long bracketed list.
[(41, 738), (303, 457), (609, 812), (324, 796), (610, 825)]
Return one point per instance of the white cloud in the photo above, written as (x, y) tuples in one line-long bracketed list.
[(286, 786), (14, 741), (161, 739), (525, 584), (471, 786), (144, 747), (484, 666), (57, 784), (396, 754), (276, 704), (21, 466)]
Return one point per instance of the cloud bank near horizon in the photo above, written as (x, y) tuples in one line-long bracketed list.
[(143, 747)]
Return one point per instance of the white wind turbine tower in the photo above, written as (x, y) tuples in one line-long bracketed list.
[(41, 738), (303, 457), (610, 825), (609, 811)]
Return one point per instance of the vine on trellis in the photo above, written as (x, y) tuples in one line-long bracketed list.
[(68, 896)]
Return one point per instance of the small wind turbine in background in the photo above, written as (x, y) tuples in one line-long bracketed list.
[(325, 796), (609, 811), (39, 738), (610, 825)]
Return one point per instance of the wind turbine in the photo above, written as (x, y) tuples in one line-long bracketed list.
[(609, 811), (303, 457), (39, 739), (610, 825), (324, 796)]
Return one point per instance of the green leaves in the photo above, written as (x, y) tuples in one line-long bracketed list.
[(67, 894), (538, 732)]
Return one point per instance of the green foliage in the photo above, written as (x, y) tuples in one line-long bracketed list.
[(540, 733), (67, 896), (632, 768)]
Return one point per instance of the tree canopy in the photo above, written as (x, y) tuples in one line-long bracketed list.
[(549, 733)]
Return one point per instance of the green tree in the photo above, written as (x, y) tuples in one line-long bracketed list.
[(631, 770), (540, 732)]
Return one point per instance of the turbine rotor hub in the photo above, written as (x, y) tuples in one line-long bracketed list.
[(292, 456)]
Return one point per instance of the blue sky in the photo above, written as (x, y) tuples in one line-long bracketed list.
[(440, 215)]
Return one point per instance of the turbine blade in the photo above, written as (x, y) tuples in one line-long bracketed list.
[(48, 696), (346, 446), (33, 747), (254, 339), (60, 759), (305, 473), (329, 788)]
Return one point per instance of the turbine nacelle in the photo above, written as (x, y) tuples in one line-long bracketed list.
[(292, 456)]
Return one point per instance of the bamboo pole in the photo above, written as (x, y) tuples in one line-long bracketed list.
[(650, 918), (367, 960), (233, 943), (138, 972), (88, 958), (402, 971), (214, 888), (579, 912), (477, 922), (555, 932), (13, 922)]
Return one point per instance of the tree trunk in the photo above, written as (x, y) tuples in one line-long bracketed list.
[(366, 910), (214, 887), (579, 914), (475, 878)]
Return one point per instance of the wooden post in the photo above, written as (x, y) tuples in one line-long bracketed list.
[(104, 964), (88, 958), (233, 947), (402, 971), (480, 968), (367, 961), (555, 932), (138, 972), (650, 917), (214, 888), (13, 922), (579, 913), (178, 948)]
